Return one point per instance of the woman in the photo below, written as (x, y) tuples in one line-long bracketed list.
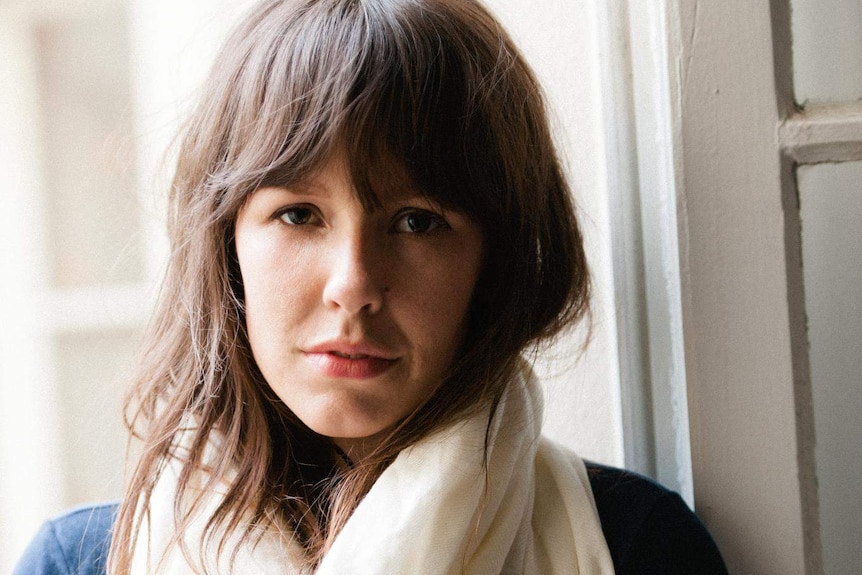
[(370, 230)]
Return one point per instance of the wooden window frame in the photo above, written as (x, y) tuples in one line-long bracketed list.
[(739, 139)]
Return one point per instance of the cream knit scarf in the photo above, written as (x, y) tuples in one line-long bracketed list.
[(431, 512)]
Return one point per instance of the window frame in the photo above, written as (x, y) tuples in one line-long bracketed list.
[(739, 139)]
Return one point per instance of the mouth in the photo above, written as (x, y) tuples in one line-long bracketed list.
[(346, 350), (349, 356), (341, 360)]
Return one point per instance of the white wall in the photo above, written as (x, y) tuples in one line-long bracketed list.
[(560, 40)]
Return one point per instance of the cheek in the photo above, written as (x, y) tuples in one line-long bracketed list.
[(261, 281), (276, 296), (274, 273), (441, 296)]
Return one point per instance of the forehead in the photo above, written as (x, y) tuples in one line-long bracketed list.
[(387, 180)]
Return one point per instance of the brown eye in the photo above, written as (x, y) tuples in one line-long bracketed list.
[(419, 222), (297, 215)]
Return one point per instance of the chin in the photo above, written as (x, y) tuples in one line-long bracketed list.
[(349, 425), (355, 432)]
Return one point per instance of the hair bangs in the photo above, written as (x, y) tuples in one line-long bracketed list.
[(288, 97), (411, 105), (362, 78)]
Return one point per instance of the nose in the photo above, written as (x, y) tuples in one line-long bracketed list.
[(355, 277)]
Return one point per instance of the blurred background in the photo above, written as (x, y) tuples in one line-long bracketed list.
[(91, 93)]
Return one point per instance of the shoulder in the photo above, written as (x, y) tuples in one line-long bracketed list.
[(76, 542), (648, 528)]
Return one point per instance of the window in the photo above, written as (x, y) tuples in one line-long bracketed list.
[(750, 301)]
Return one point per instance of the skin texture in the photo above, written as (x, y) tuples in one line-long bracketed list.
[(324, 278)]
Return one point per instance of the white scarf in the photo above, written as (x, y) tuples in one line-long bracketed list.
[(430, 513)]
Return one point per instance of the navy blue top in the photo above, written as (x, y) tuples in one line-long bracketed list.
[(649, 531)]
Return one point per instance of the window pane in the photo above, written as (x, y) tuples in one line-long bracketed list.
[(92, 371), (827, 49), (831, 202), (88, 160)]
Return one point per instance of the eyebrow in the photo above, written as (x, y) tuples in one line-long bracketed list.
[(303, 187), (392, 191)]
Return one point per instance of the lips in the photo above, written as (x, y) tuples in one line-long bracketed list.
[(350, 361), (348, 356)]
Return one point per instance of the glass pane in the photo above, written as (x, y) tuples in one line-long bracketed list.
[(92, 371), (88, 157), (831, 202), (827, 50)]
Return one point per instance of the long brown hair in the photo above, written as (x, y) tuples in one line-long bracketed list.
[(436, 85)]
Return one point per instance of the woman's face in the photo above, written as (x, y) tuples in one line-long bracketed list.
[(353, 316)]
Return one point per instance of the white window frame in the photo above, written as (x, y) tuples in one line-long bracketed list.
[(743, 310), (641, 168), (738, 137)]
